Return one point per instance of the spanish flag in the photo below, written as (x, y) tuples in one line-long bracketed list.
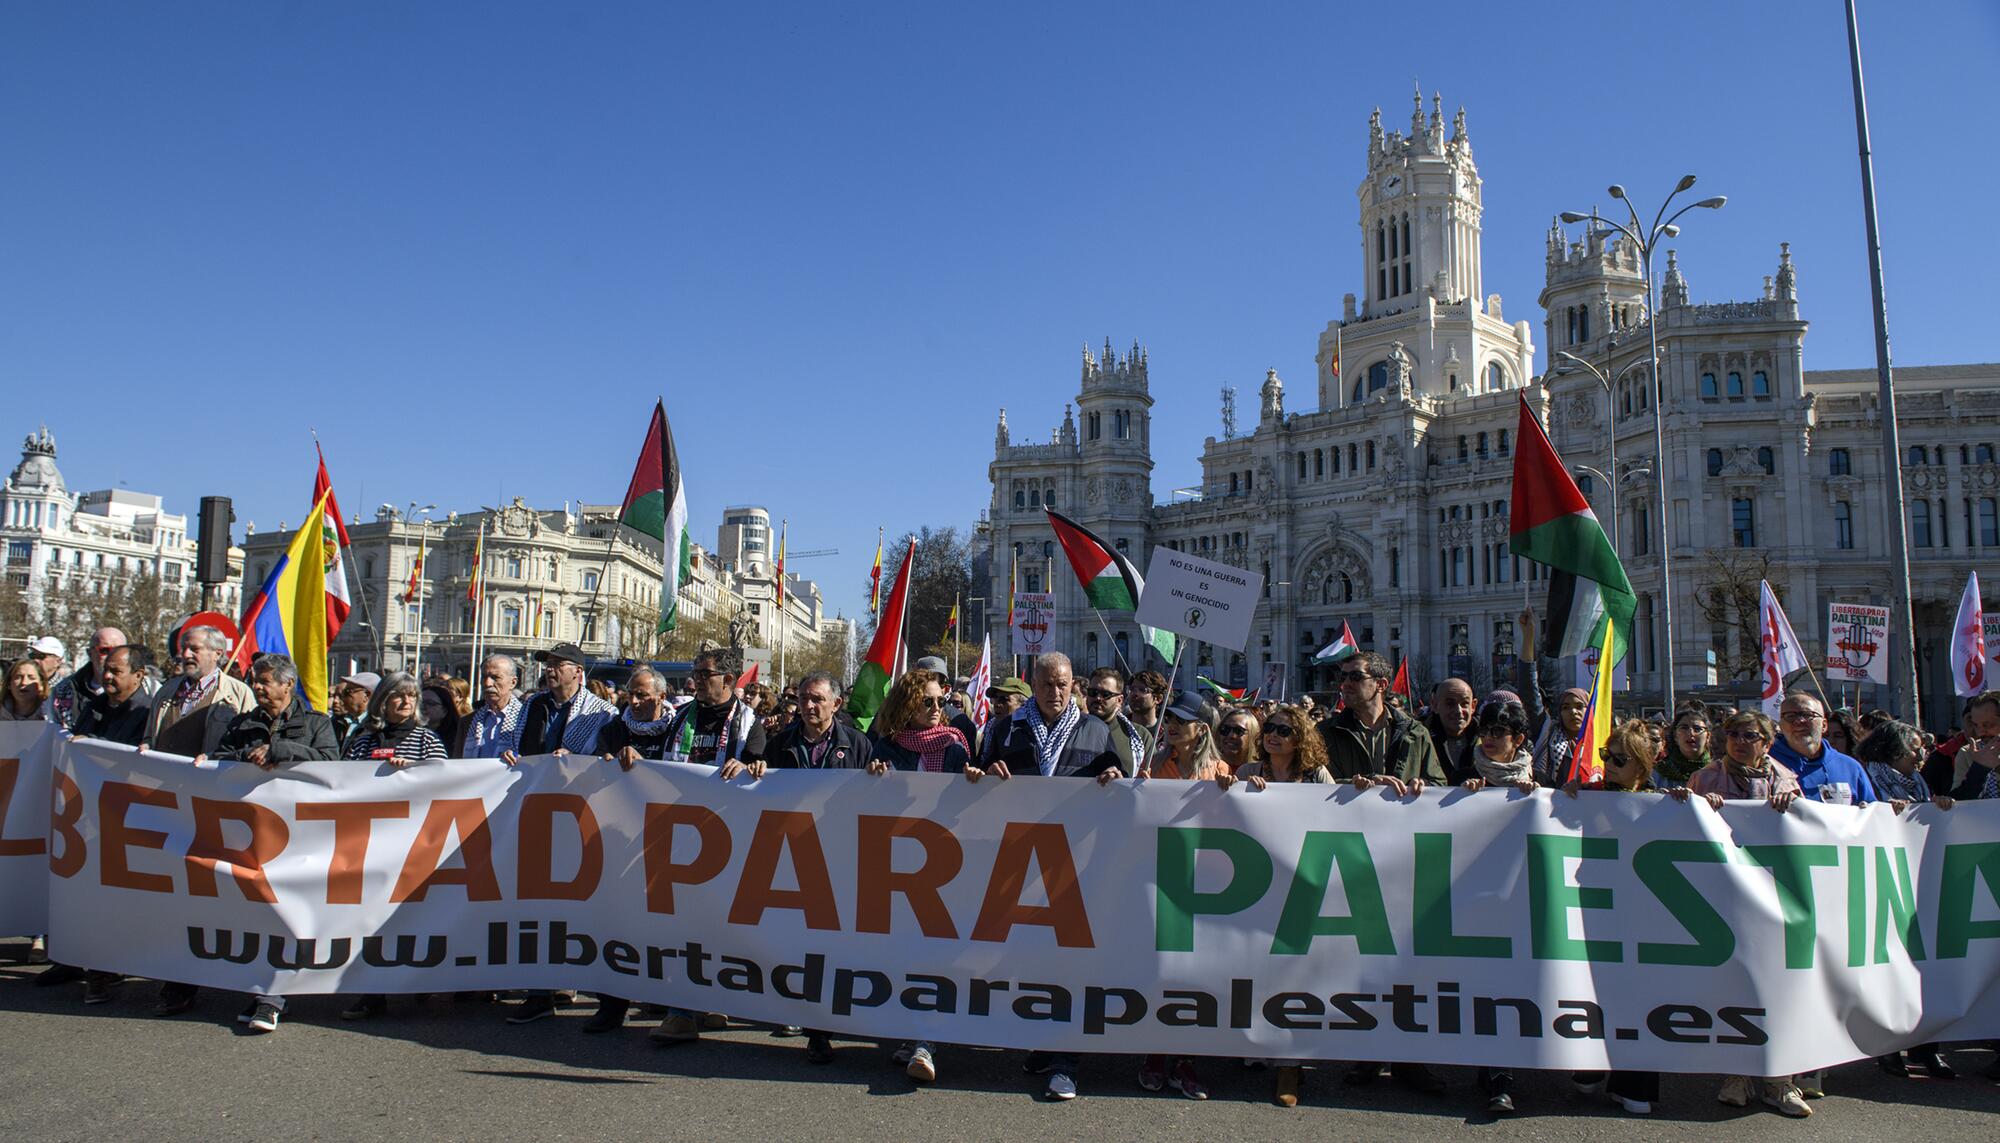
[(416, 569), (288, 616), (951, 622)]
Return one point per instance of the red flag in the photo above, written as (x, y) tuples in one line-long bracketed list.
[(1400, 685), (748, 677)]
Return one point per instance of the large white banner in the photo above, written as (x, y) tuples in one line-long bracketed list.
[(1542, 931), (26, 749)]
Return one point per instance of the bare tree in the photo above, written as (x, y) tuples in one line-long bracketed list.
[(943, 575), (1727, 595)]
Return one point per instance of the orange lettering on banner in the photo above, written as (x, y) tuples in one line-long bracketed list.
[(113, 799), (268, 835), (777, 831), (1002, 910), (352, 822), (10, 773), (65, 811), (421, 871), (534, 879), (875, 882), (662, 871)]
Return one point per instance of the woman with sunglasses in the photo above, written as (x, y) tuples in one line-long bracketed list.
[(1238, 738), (912, 733), (1747, 772), (1500, 757), (1187, 748), (1689, 743)]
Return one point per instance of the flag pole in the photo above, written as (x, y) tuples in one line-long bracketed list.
[(955, 598), (1114, 643), (417, 584), (478, 598), (340, 533)]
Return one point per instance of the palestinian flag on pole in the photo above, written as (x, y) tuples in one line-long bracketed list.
[(1552, 524), (656, 504), (887, 655), (1342, 647), (1227, 694), (1111, 582)]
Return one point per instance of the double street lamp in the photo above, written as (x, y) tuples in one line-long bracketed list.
[(1646, 238)]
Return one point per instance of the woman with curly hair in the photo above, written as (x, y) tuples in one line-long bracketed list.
[(1289, 750), (911, 732)]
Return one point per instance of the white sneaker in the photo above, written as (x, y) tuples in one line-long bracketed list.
[(1633, 1106), (1735, 1091), (1786, 1098), (1061, 1087), (922, 1067)]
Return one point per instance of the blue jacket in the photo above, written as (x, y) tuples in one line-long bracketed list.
[(1830, 766)]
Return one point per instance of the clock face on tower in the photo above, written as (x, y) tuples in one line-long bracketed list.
[(1393, 185)]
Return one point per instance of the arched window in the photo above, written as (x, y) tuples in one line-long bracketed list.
[(1461, 446), (1583, 323), (1376, 379), (1916, 454), (1496, 377), (1715, 462), (1708, 385), (1735, 383), (1353, 461), (1319, 464), (1020, 498), (1760, 384), (1482, 446), (1034, 498), (1767, 461), (1625, 399)]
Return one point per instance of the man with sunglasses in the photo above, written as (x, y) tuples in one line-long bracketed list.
[(1369, 742), (1824, 774), (1105, 698)]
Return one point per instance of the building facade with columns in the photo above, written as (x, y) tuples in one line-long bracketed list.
[(1386, 506), (562, 575)]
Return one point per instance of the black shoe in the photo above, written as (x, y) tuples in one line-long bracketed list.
[(532, 1009), (1929, 1059), (367, 1007), (609, 1017), (175, 999), (1893, 1064), (97, 986), (1417, 1077), (1037, 1063), (58, 974), (1360, 1074), (819, 1049)]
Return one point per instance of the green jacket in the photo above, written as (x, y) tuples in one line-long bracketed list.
[(1410, 754)]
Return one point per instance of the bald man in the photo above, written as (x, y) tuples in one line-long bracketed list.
[(1450, 724)]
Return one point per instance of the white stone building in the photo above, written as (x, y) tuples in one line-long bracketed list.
[(1386, 507), (54, 536)]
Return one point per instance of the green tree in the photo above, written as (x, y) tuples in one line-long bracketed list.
[(943, 574)]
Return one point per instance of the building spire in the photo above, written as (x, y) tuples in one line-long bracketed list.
[(1416, 110)]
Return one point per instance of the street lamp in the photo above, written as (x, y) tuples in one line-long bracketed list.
[(416, 584), (1646, 238)]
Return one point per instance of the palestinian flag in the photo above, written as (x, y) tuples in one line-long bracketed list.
[(1552, 524), (1111, 582), (1237, 695), (887, 655), (656, 504), (1342, 647)]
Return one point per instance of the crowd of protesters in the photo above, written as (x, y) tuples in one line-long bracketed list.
[(1054, 723)]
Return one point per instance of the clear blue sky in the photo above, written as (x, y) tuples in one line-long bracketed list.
[(469, 242)]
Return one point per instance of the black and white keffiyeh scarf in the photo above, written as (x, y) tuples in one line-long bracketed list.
[(1050, 740)]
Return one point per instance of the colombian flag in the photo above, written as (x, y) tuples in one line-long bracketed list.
[(289, 615), (1586, 766)]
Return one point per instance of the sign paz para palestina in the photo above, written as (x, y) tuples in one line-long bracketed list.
[(1200, 598)]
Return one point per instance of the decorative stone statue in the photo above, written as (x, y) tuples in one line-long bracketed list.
[(739, 626), (1402, 367)]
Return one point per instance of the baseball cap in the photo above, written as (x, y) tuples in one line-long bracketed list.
[(47, 645), (1012, 687), (563, 652), (367, 680), (934, 664)]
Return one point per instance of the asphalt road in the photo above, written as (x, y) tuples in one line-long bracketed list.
[(438, 1069)]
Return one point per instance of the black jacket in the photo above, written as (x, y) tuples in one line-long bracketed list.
[(849, 750), (123, 723), (298, 735), (903, 758), (1087, 753), (1456, 758), (617, 735)]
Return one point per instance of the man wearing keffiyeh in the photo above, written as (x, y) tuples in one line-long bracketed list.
[(1105, 698), (1052, 737)]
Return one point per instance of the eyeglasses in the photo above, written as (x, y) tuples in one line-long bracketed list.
[(1615, 758), (1101, 693), (705, 674), (1496, 733), (1801, 716), (1236, 731), (1355, 676), (931, 703), (1745, 736), (1277, 730)]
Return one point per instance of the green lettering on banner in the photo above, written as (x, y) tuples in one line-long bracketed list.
[(1963, 866), (1857, 906), (1791, 869), (1657, 865), (1431, 907), (1368, 923), (1551, 896), (1901, 905), (1176, 902)]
